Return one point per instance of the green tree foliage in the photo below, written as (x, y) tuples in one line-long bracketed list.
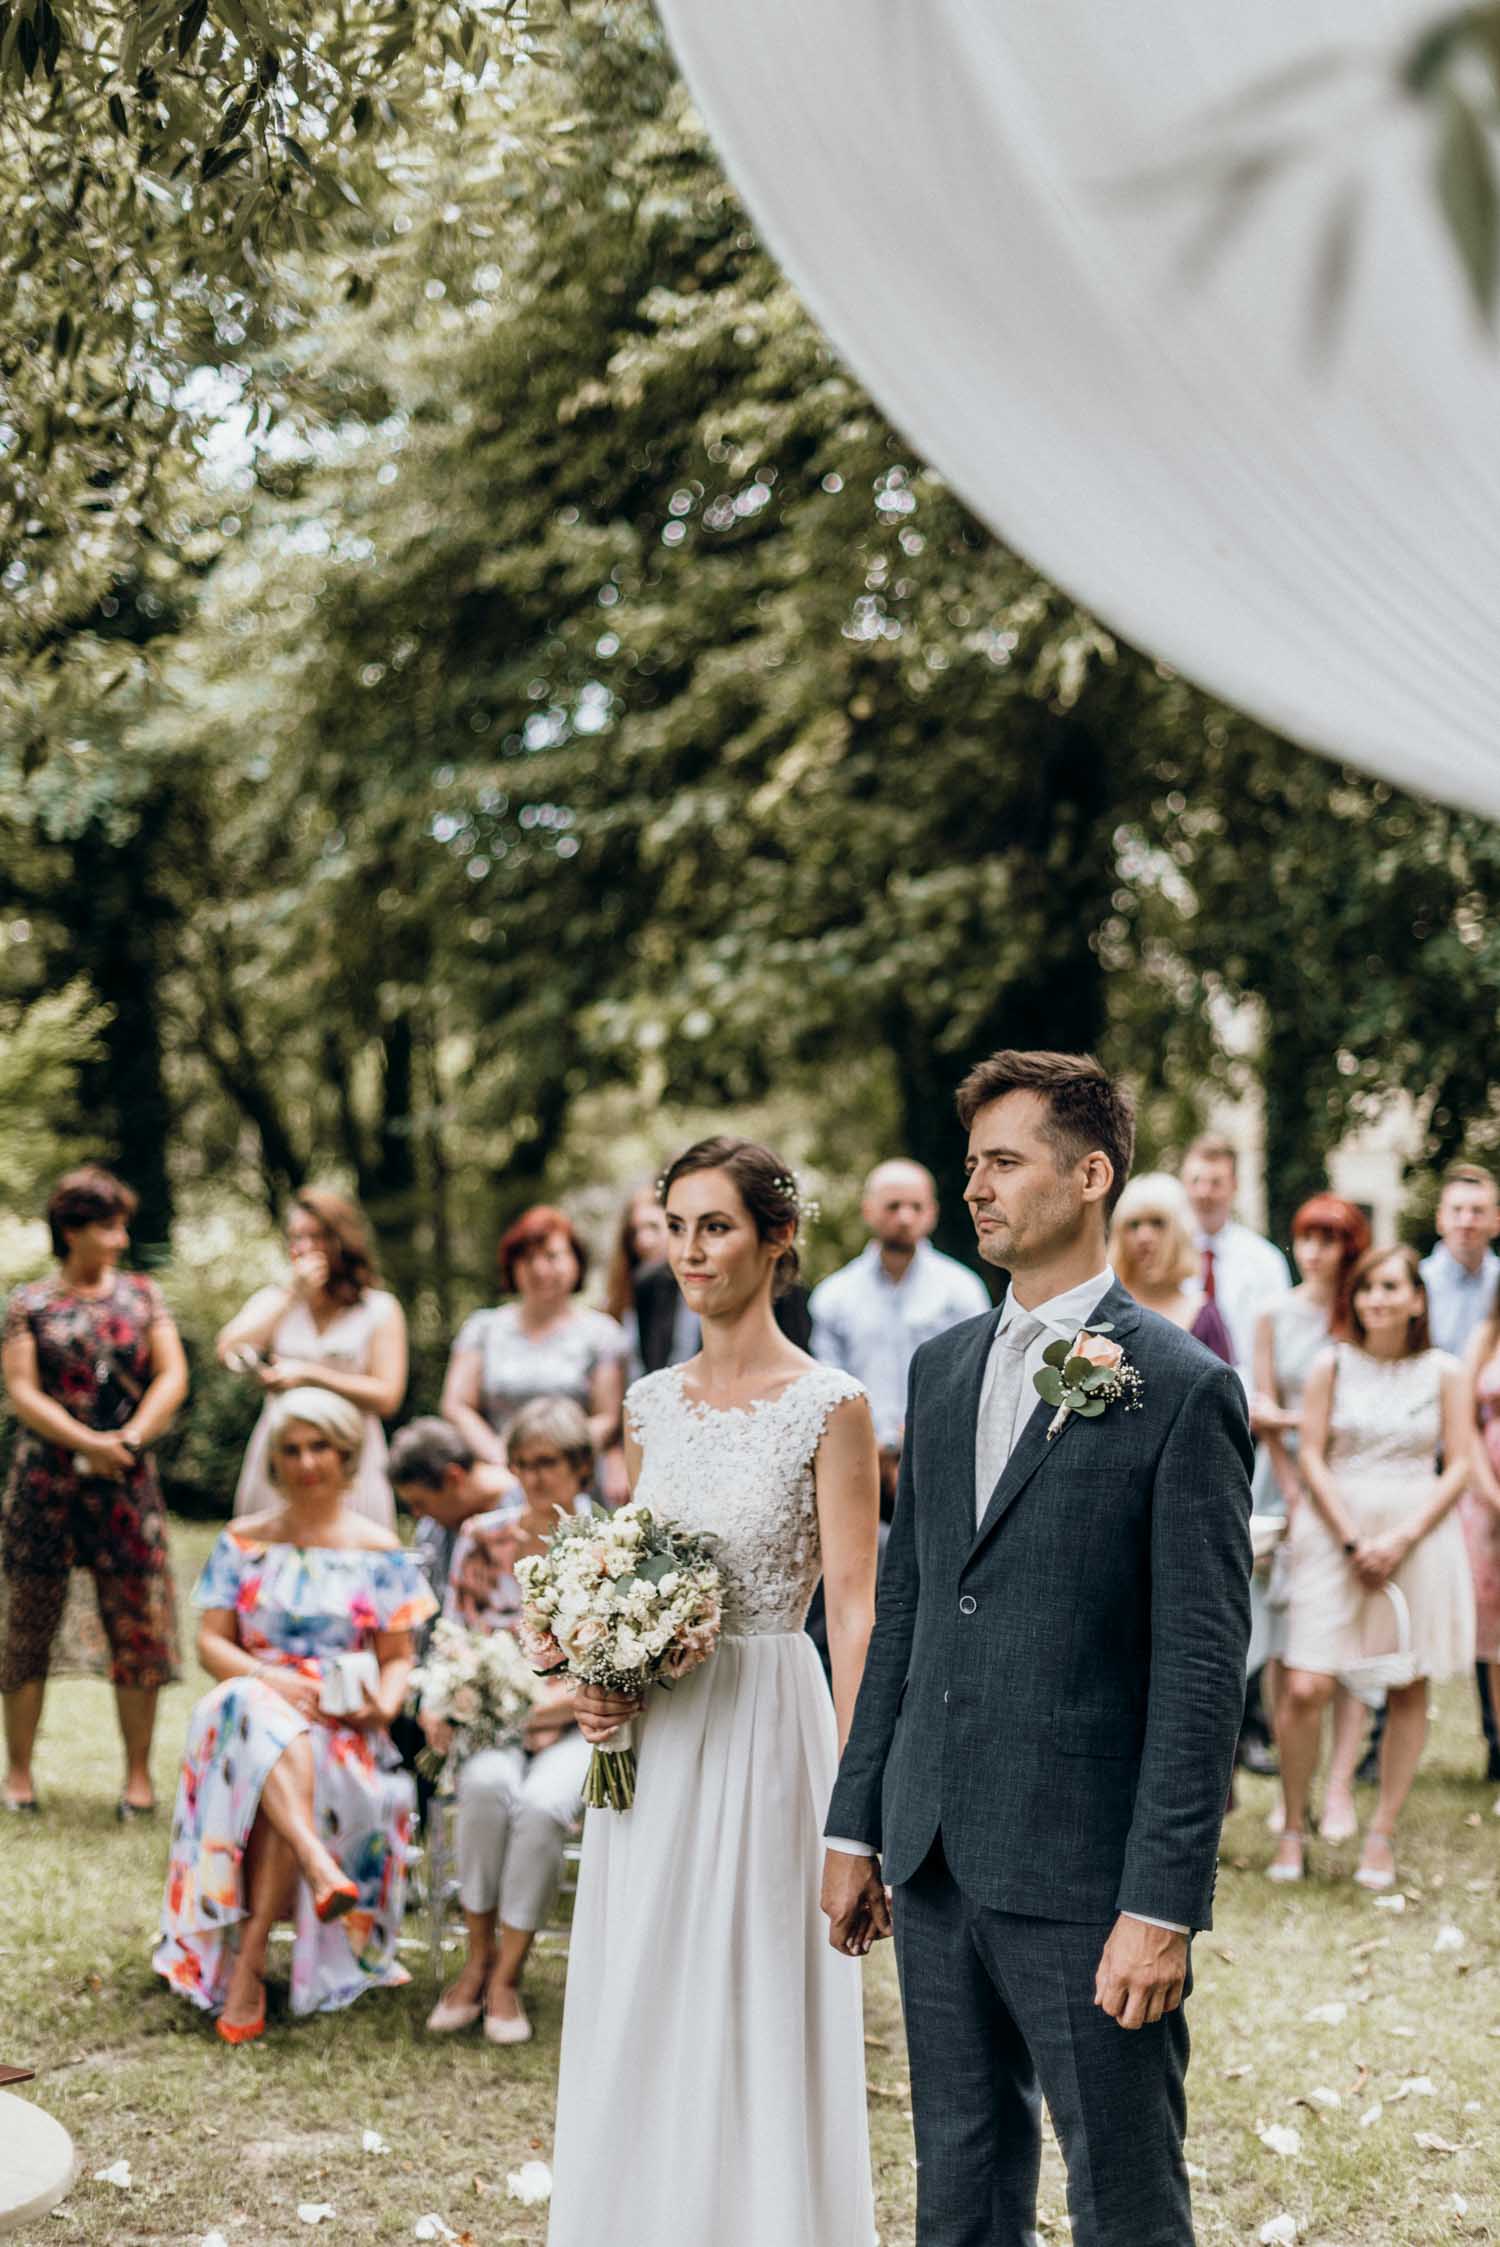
[(44, 1049)]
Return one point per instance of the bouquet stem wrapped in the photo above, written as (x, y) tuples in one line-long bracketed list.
[(622, 1601)]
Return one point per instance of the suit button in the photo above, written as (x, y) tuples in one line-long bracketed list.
[(968, 1604)]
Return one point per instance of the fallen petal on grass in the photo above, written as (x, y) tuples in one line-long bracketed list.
[(1329, 2015), (1280, 2138), (1415, 2087), (432, 2227), (1395, 1903), (530, 2184), (1449, 1937), (372, 2142), (1372, 2115), (1430, 2142), (1281, 2231), (316, 2211), (118, 2173)]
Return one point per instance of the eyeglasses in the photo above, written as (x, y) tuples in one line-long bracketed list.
[(539, 1463)]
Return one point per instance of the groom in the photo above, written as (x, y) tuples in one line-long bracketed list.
[(1042, 1745)]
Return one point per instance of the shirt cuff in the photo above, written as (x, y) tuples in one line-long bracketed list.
[(1145, 1919), (849, 1848)]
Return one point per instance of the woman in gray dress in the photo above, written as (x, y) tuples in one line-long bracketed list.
[(543, 1343)]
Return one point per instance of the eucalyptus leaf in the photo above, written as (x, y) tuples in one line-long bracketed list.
[(1056, 1353), (1090, 1408), (1049, 1385)]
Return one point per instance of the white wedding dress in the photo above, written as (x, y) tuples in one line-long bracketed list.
[(712, 2087)]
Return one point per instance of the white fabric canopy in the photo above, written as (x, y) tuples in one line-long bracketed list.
[(988, 205)]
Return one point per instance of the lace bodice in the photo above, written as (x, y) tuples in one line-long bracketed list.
[(745, 1479), (1387, 1414)]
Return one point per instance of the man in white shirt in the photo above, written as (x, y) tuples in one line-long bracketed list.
[(1241, 1273), (869, 1317)]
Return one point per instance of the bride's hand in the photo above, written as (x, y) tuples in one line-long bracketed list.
[(854, 1902), (601, 1714)]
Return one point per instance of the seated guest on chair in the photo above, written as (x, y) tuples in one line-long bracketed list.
[(515, 1805), (285, 1809)]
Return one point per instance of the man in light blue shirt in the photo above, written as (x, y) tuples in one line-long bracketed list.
[(870, 1316), (1462, 1271), (1460, 1277)]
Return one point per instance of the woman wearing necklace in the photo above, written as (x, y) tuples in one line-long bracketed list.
[(328, 1325), (712, 2076), (292, 1804), (1377, 1413), (95, 1373)]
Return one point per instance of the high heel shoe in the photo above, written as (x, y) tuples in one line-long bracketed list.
[(332, 1902), (243, 2032)]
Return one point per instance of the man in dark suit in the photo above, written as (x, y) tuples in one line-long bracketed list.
[(1043, 1739)]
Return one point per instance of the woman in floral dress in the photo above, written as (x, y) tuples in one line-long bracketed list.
[(94, 1372), (283, 1811)]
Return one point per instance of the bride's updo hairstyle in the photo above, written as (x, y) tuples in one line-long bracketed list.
[(764, 1184)]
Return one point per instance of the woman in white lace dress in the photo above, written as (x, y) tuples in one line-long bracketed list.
[(712, 2083), (1377, 1413)]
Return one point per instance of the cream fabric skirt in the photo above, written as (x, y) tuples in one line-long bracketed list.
[(1325, 1597)]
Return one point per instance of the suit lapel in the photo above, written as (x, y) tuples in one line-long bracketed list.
[(969, 1375), (1119, 1311)]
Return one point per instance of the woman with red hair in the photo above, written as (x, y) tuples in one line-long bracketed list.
[(543, 1343), (1329, 1236)]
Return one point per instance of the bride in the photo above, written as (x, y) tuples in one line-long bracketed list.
[(712, 2082)]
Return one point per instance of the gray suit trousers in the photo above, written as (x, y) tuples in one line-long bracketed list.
[(1000, 2014)]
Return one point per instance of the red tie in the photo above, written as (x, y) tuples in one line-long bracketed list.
[(1210, 1287)]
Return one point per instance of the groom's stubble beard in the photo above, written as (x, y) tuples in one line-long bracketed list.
[(1042, 1231)]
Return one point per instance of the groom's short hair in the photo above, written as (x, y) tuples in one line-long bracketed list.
[(1087, 1110)]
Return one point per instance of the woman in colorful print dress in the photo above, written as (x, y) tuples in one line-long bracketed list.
[(285, 1812), (94, 1372)]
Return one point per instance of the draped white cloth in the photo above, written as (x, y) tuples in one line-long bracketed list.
[(1302, 515)]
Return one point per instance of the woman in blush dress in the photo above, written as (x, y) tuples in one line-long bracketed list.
[(329, 1325), (292, 1803), (712, 2084), (1479, 1511), (1377, 1413), (1329, 1236)]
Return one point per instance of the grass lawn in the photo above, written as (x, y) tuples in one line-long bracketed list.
[(234, 2141)]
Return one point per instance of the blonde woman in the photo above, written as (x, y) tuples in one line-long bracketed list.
[(1152, 1255), (292, 1804)]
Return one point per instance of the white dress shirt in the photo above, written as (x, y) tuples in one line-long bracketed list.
[(1457, 1299), (872, 1325), (1249, 1274), (1062, 1316)]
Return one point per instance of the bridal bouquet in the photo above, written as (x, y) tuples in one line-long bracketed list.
[(481, 1685), (621, 1601)]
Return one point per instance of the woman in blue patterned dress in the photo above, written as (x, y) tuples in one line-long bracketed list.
[(284, 1810)]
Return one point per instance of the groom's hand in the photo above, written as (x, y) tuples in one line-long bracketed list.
[(1142, 1973), (854, 1902)]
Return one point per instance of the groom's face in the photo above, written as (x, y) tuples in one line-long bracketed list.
[(1027, 1201)]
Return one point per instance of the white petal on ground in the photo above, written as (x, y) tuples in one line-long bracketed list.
[(372, 2142), (316, 2211), (1416, 2087), (1371, 2115), (432, 2227), (1281, 2138), (213, 2239), (1430, 2142), (1449, 1937), (1281, 2231), (1329, 2015), (1322, 2096), (1459, 2205), (118, 2173), (1396, 1903), (530, 2184)]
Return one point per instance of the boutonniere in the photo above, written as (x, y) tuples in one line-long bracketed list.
[(1086, 1376)]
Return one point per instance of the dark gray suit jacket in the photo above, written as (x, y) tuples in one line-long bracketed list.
[(1061, 1693)]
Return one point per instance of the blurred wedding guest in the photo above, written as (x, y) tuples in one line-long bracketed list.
[(1152, 1254), (437, 1478), (329, 1325), (1377, 1412), (94, 1372), (643, 1295), (516, 1805), (1461, 1276), (544, 1343), (1462, 1272), (871, 1316), (1329, 1236), (1239, 1271), (1479, 1511), (291, 1804)]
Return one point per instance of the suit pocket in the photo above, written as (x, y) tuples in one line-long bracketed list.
[(1106, 1733)]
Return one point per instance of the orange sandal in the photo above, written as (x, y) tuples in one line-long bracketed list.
[(333, 1902), (242, 2032)]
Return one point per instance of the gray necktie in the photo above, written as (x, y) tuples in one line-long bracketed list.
[(1000, 1413)]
